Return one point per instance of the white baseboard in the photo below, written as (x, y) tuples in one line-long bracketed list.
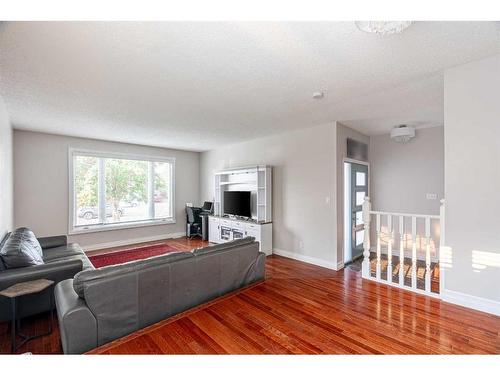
[(132, 241), (306, 259), (470, 301)]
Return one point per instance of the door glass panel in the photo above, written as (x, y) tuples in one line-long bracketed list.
[(360, 179), (360, 237), (359, 218), (360, 197)]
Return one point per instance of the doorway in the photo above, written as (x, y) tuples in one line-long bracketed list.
[(355, 191)]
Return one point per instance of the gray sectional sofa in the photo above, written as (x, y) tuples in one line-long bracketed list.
[(58, 261), (101, 305)]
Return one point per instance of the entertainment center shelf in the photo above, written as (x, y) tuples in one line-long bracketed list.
[(238, 183), (258, 181)]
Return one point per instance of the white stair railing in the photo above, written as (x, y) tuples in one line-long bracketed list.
[(398, 220)]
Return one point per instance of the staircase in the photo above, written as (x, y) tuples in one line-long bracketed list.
[(402, 255), (421, 271)]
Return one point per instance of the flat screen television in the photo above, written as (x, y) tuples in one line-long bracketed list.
[(237, 203)]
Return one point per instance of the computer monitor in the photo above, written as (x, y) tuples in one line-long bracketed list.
[(207, 206)]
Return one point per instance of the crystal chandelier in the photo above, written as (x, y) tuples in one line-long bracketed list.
[(383, 27)]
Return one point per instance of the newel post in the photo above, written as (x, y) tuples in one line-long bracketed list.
[(366, 242), (442, 223)]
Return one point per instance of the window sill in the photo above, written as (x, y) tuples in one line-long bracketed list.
[(118, 226)]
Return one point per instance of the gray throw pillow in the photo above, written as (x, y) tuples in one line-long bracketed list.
[(29, 236), (21, 249)]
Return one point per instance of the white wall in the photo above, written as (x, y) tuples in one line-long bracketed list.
[(402, 174), (41, 185), (6, 199), (472, 180), (343, 132), (303, 161)]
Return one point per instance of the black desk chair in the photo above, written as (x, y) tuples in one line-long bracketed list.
[(193, 227)]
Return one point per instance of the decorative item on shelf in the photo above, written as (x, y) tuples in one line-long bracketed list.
[(383, 27), (241, 218)]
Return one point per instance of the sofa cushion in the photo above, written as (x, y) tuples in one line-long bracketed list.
[(109, 271), (21, 249), (52, 241), (61, 252), (28, 235), (86, 264), (67, 252)]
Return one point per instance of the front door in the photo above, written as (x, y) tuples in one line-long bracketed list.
[(359, 190)]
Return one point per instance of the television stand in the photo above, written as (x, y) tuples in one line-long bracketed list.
[(224, 229)]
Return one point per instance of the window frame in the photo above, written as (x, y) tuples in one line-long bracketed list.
[(73, 229)]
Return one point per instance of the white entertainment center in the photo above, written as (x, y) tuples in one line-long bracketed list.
[(258, 181)]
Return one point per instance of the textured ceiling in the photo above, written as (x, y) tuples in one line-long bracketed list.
[(200, 85)]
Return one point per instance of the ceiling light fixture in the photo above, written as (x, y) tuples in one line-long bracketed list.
[(318, 95), (383, 27), (402, 133)]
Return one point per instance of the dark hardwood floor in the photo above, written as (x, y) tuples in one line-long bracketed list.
[(301, 308)]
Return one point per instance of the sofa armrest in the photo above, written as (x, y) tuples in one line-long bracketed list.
[(53, 241), (56, 271), (77, 324), (257, 271)]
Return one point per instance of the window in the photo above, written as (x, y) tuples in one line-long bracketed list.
[(357, 150), (111, 191)]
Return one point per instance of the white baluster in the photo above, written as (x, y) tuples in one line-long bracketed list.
[(378, 248), (427, 254), (401, 251), (414, 252), (366, 272), (389, 248)]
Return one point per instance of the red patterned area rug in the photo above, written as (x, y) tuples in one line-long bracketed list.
[(128, 255)]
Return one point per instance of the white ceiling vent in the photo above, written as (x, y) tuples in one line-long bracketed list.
[(402, 133)]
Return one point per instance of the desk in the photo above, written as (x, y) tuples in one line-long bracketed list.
[(204, 225)]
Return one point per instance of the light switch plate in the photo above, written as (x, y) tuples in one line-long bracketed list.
[(431, 196)]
